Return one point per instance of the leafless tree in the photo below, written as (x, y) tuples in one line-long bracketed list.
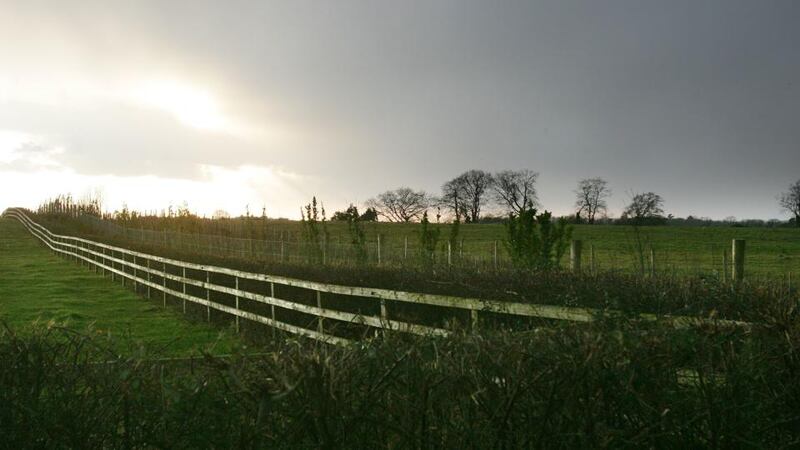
[(400, 205), (465, 195), (454, 198), (644, 206), (590, 197), (790, 201), (516, 189)]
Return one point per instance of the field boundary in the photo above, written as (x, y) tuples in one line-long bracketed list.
[(114, 260)]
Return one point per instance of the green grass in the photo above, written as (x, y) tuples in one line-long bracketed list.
[(38, 286), (772, 253)]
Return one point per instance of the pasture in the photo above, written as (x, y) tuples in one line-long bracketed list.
[(38, 287), (772, 253), (617, 379)]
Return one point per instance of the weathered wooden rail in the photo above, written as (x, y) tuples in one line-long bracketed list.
[(140, 269)]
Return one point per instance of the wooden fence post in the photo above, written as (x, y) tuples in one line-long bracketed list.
[(272, 306), (208, 297), (652, 262), (237, 303), (449, 254), (149, 279), (164, 284), (738, 248), (575, 255), (319, 318), (405, 247), (135, 284), (379, 249), (592, 262), (184, 289)]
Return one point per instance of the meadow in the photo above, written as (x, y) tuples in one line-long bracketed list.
[(772, 252), (39, 289), (613, 382)]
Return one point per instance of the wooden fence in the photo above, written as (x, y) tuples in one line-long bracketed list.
[(154, 272)]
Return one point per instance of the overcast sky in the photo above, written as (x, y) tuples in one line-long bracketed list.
[(234, 103)]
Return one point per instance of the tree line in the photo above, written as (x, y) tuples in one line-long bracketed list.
[(466, 197)]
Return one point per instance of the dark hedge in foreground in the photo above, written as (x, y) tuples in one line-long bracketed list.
[(610, 383)]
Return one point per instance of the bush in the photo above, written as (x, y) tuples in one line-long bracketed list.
[(534, 241)]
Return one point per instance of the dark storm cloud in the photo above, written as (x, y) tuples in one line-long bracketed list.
[(696, 100)]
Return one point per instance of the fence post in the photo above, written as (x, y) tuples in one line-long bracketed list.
[(449, 254), (237, 302), (738, 248), (575, 255), (405, 247), (184, 289), (208, 297), (319, 318), (272, 305), (592, 263), (652, 262), (494, 256), (473, 315), (379, 249), (164, 285), (149, 279), (135, 284)]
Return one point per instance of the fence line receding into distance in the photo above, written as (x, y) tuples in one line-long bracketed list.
[(153, 272)]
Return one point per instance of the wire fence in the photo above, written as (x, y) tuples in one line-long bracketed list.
[(706, 256)]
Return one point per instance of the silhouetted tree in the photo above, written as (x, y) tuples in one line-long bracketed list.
[(590, 198), (644, 207), (370, 215), (465, 194), (790, 201), (516, 189), (400, 205)]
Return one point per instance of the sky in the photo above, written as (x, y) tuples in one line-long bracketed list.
[(238, 104)]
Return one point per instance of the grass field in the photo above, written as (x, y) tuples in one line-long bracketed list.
[(771, 252), (615, 382), (36, 285)]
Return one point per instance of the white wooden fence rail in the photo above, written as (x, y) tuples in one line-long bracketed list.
[(113, 260)]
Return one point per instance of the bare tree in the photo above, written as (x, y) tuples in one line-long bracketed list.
[(516, 189), (590, 197), (400, 205), (454, 198), (465, 194), (644, 206), (790, 201)]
